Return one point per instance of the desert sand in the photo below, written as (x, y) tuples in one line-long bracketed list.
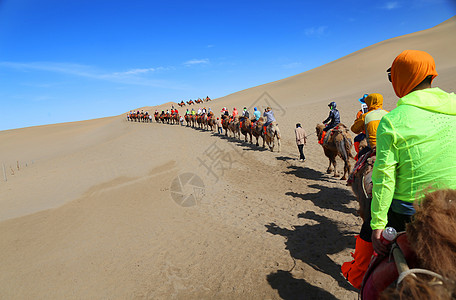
[(92, 209)]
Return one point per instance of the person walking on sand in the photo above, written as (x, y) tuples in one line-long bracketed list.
[(300, 141), (415, 144), (219, 126)]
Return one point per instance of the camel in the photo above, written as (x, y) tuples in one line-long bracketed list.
[(272, 132), (188, 119), (360, 181), (428, 247), (234, 127), (190, 102), (194, 120), (258, 131), (210, 121), (200, 120), (246, 128), (182, 103), (225, 123), (339, 143), (157, 117), (174, 119)]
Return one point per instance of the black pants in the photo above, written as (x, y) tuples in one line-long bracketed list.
[(398, 221), (301, 152)]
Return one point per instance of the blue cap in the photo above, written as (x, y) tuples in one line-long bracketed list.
[(362, 99)]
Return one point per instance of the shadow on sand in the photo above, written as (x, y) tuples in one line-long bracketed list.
[(328, 198), (311, 244), (292, 288)]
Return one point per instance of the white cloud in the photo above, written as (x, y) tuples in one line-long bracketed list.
[(210, 46), (134, 76), (316, 31), (391, 5), (136, 71), (196, 61)]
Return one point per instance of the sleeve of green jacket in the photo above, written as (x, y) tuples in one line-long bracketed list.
[(384, 174)]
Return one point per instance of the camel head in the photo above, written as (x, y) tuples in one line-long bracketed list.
[(319, 129)]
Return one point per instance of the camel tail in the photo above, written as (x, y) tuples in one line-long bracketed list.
[(342, 147)]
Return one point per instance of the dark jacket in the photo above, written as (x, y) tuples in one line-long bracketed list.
[(333, 117)]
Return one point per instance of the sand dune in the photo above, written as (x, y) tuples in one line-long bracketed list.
[(93, 210)]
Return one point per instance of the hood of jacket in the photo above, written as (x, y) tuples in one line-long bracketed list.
[(432, 99)]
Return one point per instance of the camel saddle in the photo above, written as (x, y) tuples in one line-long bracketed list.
[(382, 271), (328, 135), (365, 165)]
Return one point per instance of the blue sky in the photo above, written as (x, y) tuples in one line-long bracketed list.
[(72, 60)]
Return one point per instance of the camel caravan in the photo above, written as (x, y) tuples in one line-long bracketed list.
[(419, 259), (191, 102), (139, 116), (234, 125)]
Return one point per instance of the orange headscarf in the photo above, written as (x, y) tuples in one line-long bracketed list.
[(409, 69)]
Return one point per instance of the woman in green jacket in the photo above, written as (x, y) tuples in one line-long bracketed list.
[(416, 147)]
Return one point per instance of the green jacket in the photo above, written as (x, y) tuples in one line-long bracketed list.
[(416, 148)]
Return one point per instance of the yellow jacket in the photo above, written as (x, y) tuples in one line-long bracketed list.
[(370, 120)]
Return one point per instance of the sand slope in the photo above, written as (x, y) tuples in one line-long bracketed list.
[(90, 213)]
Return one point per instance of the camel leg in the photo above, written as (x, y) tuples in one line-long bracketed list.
[(278, 144), (329, 170), (346, 169), (335, 166)]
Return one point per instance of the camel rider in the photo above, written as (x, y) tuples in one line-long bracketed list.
[(369, 121), (333, 119), (193, 112), (415, 144), (256, 114), (172, 111), (245, 113), (235, 112), (176, 111), (269, 115), (203, 110), (364, 109), (167, 111), (225, 112), (354, 270), (187, 112), (199, 112)]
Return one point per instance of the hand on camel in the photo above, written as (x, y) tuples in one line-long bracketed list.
[(379, 247)]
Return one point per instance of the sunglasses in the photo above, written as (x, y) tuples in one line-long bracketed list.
[(389, 74)]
